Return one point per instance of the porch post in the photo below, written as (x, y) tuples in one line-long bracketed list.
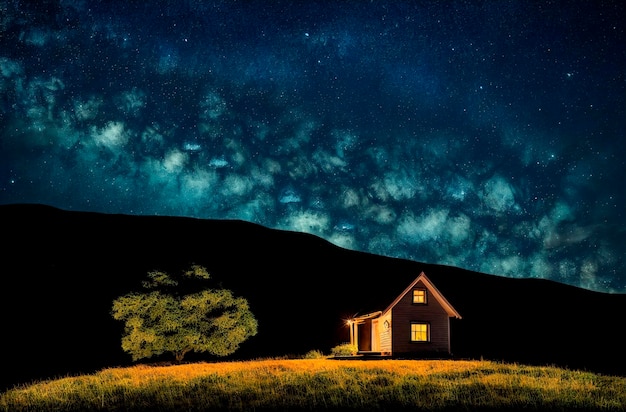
[(354, 337)]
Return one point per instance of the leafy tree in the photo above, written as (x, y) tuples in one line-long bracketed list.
[(163, 321)]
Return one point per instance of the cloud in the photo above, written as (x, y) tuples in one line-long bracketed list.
[(10, 67), (289, 195), (36, 36), (212, 106), (113, 136), (558, 227), (567, 270), (174, 161), (540, 266), (343, 239), (380, 214), (588, 274), (459, 188), (38, 97), (458, 229), (131, 102), (498, 195), (262, 175), (431, 225), (236, 186), (512, 266), (328, 163), (219, 162), (345, 142), (397, 185), (349, 198), (561, 211), (383, 244), (530, 147), (562, 235), (198, 183), (168, 59), (314, 222), (299, 167), (258, 209), (87, 109)]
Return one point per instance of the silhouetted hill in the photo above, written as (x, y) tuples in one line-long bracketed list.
[(61, 270)]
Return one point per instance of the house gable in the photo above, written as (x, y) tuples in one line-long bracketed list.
[(423, 282), (420, 319)]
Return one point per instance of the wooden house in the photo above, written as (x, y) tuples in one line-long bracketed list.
[(416, 323)]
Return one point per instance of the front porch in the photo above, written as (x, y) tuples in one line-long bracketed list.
[(365, 355), (363, 334)]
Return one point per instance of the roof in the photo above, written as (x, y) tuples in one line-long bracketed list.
[(372, 315), (433, 291)]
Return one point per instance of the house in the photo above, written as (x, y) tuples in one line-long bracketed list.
[(416, 323)]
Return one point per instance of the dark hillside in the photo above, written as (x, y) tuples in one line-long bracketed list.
[(61, 270)]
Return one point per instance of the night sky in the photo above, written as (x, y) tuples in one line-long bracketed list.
[(487, 135)]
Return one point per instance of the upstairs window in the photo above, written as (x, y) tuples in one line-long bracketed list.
[(419, 296), (420, 332)]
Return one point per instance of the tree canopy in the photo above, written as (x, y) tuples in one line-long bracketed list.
[(162, 320)]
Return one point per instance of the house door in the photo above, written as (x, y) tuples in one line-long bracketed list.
[(375, 336), (365, 336)]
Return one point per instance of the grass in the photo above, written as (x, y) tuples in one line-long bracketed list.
[(325, 384)]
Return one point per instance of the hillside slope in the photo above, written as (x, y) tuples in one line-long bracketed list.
[(61, 270)]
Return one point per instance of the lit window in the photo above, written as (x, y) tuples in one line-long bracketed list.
[(419, 296), (419, 332)]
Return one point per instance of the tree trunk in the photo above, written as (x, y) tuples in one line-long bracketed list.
[(179, 355)]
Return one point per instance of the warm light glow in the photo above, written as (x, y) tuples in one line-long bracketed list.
[(419, 295), (419, 332)]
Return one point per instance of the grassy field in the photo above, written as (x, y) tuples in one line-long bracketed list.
[(325, 384)]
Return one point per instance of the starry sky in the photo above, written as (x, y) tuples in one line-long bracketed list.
[(487, 135)]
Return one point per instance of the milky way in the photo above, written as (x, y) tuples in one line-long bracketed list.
[(485, 135)]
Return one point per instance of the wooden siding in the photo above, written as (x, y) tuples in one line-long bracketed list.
[(405, 312), (384, 334)]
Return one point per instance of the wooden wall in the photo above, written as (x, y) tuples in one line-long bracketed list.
[(406, 312), (384, 335)]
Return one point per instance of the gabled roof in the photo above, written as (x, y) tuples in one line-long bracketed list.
[(372, 315), (433, 292)]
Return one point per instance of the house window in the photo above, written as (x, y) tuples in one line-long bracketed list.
[(420, 332), (419, 296)]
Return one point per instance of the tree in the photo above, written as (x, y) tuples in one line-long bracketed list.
[(164, 321)]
